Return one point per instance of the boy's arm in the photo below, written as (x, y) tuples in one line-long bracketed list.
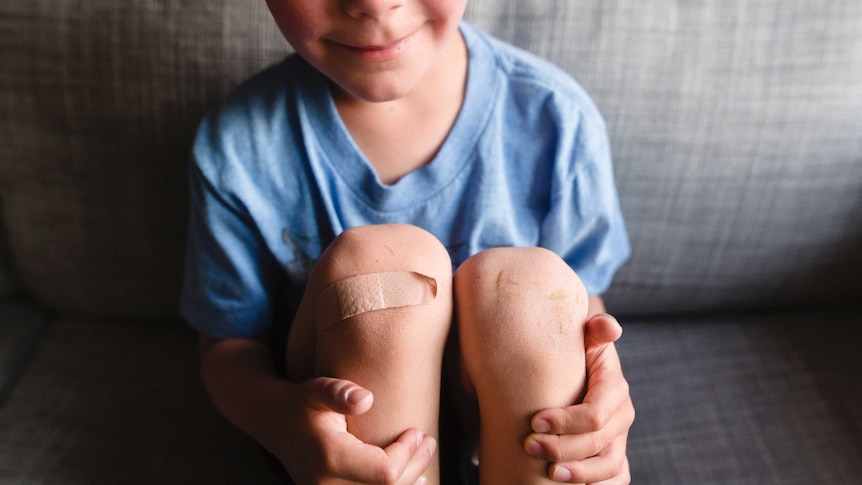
[(303, 425), (586, 443), (239, 376)]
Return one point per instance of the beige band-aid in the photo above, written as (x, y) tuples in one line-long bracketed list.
[(374, 291)]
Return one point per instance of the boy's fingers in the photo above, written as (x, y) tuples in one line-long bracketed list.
[(607, 395), (419, 462), (403, 461), (364, 463), (624, 478), (570, 447), (586, 418), (607, 468), (601, 329), (338, 395)]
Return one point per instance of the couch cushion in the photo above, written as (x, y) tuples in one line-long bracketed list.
[(9, 285), (745, 400), (119, 402), (21, 325), (742, 400)]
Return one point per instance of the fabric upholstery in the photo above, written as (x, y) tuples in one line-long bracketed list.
[(770, 399), (98, 103), (9, 285), (21, 324), (736, 135), (119, 402), (734, 125)]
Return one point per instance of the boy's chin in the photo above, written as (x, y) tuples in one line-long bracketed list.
[(371, 92)]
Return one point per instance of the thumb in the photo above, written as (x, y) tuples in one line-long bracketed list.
[(338, 395), (600, 330)]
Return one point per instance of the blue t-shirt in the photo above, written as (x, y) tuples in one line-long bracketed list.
[(275, 176)]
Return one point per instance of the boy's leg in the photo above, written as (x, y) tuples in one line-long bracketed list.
[(351, 325), (520, 314)]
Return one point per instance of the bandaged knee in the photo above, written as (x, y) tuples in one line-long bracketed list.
[(373, 292)]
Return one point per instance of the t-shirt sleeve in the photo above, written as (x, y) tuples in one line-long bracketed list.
[(229, 273), (585, 224)]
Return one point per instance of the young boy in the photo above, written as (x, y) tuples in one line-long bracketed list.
[(333, 194)]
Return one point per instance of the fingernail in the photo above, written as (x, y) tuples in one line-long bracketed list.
[(432, 447), (534, 448), (562, 474), (419, 437), (542, 426), (422, 481), (608, 316), (356, 395)]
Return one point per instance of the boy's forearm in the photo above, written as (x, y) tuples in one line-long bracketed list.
[(238, 375)]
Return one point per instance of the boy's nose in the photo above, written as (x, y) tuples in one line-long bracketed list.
[(375, 9)]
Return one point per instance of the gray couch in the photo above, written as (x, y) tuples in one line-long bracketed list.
[(737, 133)]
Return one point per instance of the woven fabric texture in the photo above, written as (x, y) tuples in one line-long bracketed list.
[(756, 400), (98, 104), (736, 136), (762, 400), (8, 281), (734, 124), (108, 402)]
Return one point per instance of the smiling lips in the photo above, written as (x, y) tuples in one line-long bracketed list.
[(375, 53)]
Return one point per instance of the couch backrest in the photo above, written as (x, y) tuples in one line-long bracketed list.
[(735, 126), (737, 133), (98, 102)]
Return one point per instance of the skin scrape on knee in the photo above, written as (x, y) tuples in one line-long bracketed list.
[(370, 292)]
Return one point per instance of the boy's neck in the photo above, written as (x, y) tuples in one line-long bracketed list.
[(402, 135)]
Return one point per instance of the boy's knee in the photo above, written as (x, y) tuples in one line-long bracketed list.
[(381, 248), (374, 268), (529, 291), (521, 314), (519, 273)]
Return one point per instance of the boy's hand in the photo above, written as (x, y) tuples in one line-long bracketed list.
[(321, 450), (586, 443)]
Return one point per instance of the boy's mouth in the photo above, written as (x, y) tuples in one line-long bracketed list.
[(379, 53)]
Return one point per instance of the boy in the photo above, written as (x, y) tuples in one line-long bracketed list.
[(393, 112)]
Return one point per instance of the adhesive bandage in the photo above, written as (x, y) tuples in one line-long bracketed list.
[(370, 292)]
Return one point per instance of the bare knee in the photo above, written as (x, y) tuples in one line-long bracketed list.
[(531, 292), (519, 309)]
